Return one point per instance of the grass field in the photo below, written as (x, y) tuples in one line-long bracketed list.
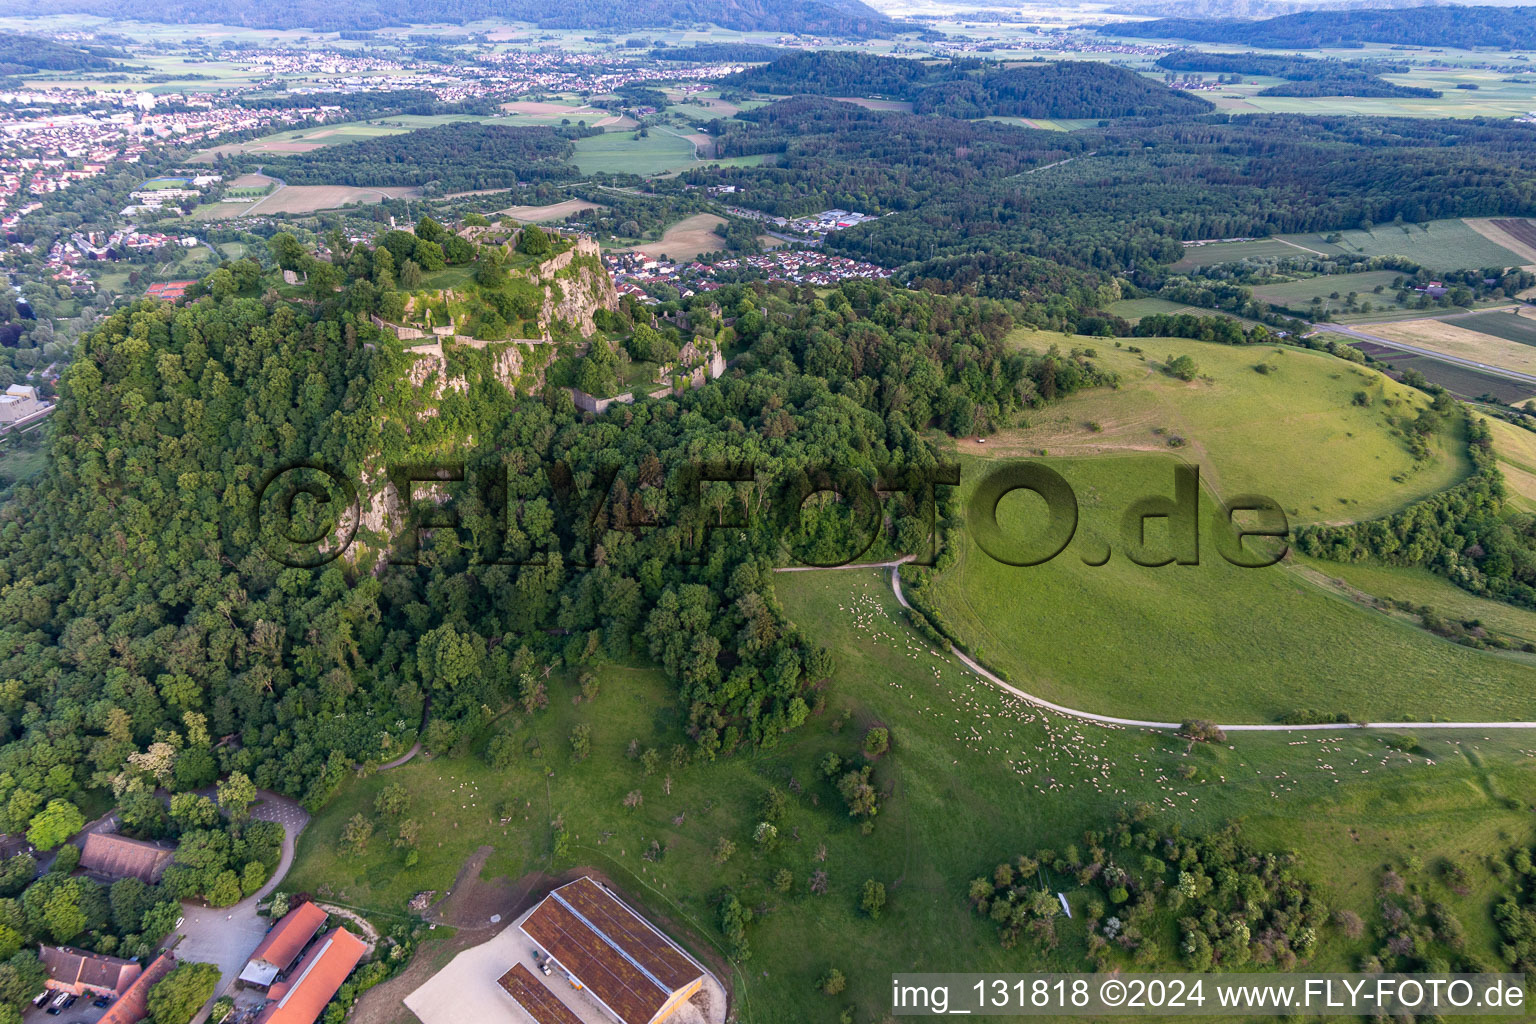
[(1516, 448), (1423, 588), (1212, 253), (1439, 245), (972, 779), (1298, 295), (1201, 641), (1249, 432), (622, 153)]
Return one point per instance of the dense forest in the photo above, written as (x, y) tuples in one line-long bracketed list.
[(812, 17), (20, 54), (1462, 27), (710, 53), (972, 88), (1305, 76), (459, 156), (373, 103), (1057, 89), (1120, 197), (144, 620)]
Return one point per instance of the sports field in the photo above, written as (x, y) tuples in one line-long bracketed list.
[(1249, 431)]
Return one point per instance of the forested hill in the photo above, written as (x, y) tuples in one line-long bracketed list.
[(19, 54), (972, 88), (812, 17), (1466, 27), (140, 605)]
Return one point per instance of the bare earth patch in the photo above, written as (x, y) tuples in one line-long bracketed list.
[(687, 238), (309, 198), (554, 211)]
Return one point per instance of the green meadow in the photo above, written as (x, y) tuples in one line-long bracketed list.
[(1211, 640), (973, 777), (1250, 431), (621, 152), (1437, 244)]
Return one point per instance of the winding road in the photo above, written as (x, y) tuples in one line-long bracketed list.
[(894, 569)]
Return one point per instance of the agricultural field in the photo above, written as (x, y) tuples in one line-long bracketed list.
[(551, 212), (621, 153), (1466, 337), (1462, 381), (956, 743), (1438, 244), (1516, 448), (1212, 253), (1514, 327), (1249, 431), (1332, 289), (687, 238), (1211, 640), (304, 140)]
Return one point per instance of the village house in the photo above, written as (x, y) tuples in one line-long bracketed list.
[(80, 973), (133, 1005), (299, 998), (282, 945), (113, 856)]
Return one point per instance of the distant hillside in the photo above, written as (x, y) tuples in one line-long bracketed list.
[(21, 54), (1058, 89), (971, 89), (1304, 75), (813, 17), (1466, 27)]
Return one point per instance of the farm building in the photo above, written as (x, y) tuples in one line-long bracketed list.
[(299, 999), (133, 1005), (115, 856), (534, 999), (282, 945), (79, 972), (630, 969)]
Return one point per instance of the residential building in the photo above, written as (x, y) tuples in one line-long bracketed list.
[(283, 944), (79, 972), (133, 1005), (299, 998), (114, 856)]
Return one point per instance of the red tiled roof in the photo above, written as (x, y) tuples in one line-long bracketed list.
[(617, 956), (133, 1006), (77, 969), (283, 944), (299, 998), (536, 1001), (116, 856)]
